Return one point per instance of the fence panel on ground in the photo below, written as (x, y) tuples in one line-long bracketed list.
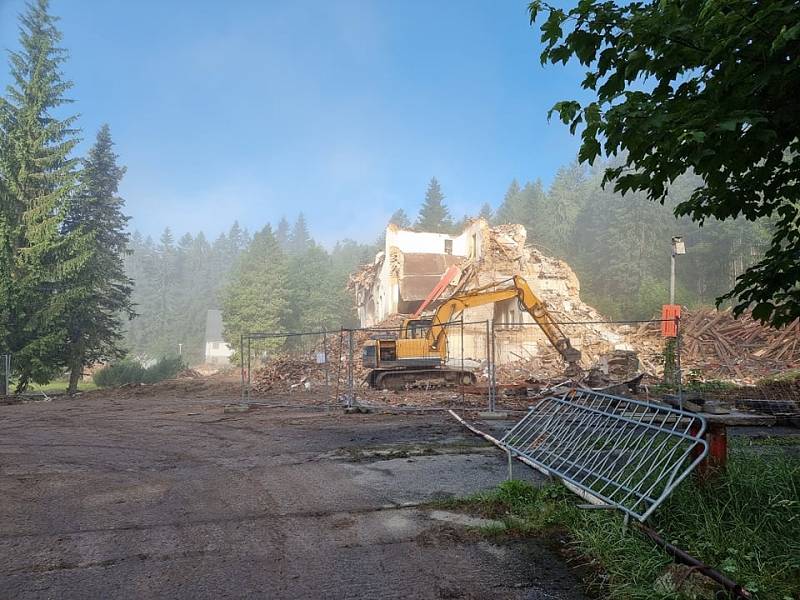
[(627, 453)]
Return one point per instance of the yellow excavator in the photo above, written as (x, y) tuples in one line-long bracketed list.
[(419, 354)]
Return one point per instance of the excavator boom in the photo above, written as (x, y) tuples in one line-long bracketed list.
[(416, 357), (528, 300)]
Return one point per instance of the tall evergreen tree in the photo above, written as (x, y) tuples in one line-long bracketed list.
[(282, 232), (508, 209), (98, 292), (256, 299), (400, 218), (38, 176), (434, 215), (566, 197), (300, 238), (486, 212)]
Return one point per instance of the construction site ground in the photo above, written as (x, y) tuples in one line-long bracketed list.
[(157, 491)]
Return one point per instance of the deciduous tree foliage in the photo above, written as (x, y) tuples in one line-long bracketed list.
[(702, 86)]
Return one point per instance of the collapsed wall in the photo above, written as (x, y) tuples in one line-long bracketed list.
[(409, 267)]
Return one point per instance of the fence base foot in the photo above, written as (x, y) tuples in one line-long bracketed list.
[(494, 414)]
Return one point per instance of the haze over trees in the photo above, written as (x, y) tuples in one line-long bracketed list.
[(283, 280), (619, 245), (702, 88)]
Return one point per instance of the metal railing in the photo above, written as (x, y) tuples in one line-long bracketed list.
[(628, 453)]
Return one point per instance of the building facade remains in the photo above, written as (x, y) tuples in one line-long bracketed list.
[(412, 263)]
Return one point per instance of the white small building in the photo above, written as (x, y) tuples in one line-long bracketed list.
[(218, 352)]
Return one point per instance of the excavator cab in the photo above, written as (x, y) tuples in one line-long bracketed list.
[(415, 329)]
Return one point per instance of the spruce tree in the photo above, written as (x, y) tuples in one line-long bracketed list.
[(433, 215), (507, 211), (565, 199), (486, 213), (256, 299), (39, 175), (299, 239), (282, 234), (97, 292), (400, 219)]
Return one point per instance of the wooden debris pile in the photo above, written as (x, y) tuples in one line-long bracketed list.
[(718, 346)]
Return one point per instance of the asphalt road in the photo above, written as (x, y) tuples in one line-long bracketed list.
[(173, 498)]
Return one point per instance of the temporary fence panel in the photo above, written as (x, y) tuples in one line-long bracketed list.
[(630, 454), (285, 361), (349, 361)]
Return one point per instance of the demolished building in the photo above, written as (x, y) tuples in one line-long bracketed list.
[(413, 263)]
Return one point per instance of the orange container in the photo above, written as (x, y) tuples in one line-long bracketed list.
[(669, 313)]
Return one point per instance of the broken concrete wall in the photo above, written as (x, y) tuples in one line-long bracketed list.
[(412, 263), (408, 268)]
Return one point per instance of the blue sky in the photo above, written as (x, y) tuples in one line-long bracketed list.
[(343, 110)]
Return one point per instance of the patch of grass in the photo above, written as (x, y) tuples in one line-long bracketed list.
[(788, 375), (778, 440), (60, 386), (131, 372), (745, 523)]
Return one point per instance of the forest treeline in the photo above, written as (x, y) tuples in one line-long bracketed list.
[(281, 279), (276, 279)]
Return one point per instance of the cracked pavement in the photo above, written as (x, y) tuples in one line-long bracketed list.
[(172, 498)]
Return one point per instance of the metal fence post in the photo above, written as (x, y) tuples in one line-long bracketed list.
[(350, 385), (460, 380), (490, 365), (325, 354), (241, 362), (494, 367), (678, 374), (248, 367)]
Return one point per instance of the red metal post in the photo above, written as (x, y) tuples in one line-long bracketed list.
[(717, 459)]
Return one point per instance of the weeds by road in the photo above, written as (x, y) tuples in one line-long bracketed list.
[(745, 523)]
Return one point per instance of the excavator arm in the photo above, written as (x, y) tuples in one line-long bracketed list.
[(520, 289)]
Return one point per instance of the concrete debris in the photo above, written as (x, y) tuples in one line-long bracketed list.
[(288, 372)]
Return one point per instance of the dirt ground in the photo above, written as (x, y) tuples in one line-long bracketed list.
[(136, 495)]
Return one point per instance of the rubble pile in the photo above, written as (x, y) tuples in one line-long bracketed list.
[(715, 344), (286, 372), (718, 346), (295, 371)]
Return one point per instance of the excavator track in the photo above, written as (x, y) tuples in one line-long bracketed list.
[(401, 379)]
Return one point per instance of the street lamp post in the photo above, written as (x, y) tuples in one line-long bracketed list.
[(677, 248)]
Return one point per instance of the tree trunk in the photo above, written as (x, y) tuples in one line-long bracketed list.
[(74, 376)]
